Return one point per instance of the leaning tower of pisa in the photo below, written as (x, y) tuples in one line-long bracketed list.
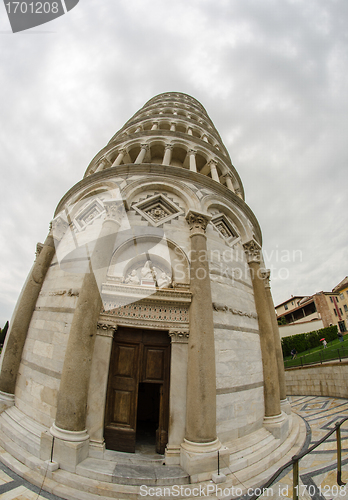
[(146, 326)]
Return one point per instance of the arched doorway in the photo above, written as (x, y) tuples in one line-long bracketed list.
[(137, 402)]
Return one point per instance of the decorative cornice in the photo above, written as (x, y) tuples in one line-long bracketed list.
[(197, 221)]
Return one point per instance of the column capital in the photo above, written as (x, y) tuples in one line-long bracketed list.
[(213, 161), (169, 146), (114, 210), (39, 247), (105, 329), (179, 336), (252, 251), (191, 152), (197, 221), (266, 276), (145, 146), (59, 227)]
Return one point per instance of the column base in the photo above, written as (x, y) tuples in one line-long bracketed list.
[(278, 425), (68, 448), (96, 449), (6, 400), (200, 460), (172, 454), (285, 406)]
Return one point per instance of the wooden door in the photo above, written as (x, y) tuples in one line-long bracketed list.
[(138, 356)]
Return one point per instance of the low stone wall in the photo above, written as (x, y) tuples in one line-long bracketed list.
[(328, 379)]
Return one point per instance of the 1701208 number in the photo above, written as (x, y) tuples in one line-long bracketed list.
[(327, 490), (32, 7)]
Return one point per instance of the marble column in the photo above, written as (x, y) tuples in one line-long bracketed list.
[(154, 126), (119, 158), (284, 403), (141, 156), (189, 131), (269, 360), (192, 159), (201, 376), (173, 126), (213, 170), (104, 163), (229, 183), (70, 423), (15, 339), (177, 398), (167, 154), (205, 138)]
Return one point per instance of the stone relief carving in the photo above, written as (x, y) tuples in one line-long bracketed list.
[(219, 307), (149, 276)]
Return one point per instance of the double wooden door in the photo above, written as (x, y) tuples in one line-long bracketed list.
[(138, 388)]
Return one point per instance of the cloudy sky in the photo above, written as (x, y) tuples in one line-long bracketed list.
[(272, 75)]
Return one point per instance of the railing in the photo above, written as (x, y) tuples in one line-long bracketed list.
[(294, 462), (317, 357)]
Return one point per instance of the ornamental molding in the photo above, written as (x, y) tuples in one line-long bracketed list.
[(163, 309), (197, 221), (219, 307)]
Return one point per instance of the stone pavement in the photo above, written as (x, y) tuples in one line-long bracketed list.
[(317, 470)]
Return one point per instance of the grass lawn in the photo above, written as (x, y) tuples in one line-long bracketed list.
[(334, 350)]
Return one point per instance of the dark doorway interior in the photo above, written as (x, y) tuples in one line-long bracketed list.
[(148, 413)]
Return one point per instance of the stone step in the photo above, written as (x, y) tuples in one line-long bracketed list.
[(135, 474), (78, 486), (260, 471), (21, 430)]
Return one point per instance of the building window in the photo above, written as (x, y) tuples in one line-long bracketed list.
[(335, 312), (337, 299), (340, 310), (331, 299), (341, 295), (345, 307), (286, 307)]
